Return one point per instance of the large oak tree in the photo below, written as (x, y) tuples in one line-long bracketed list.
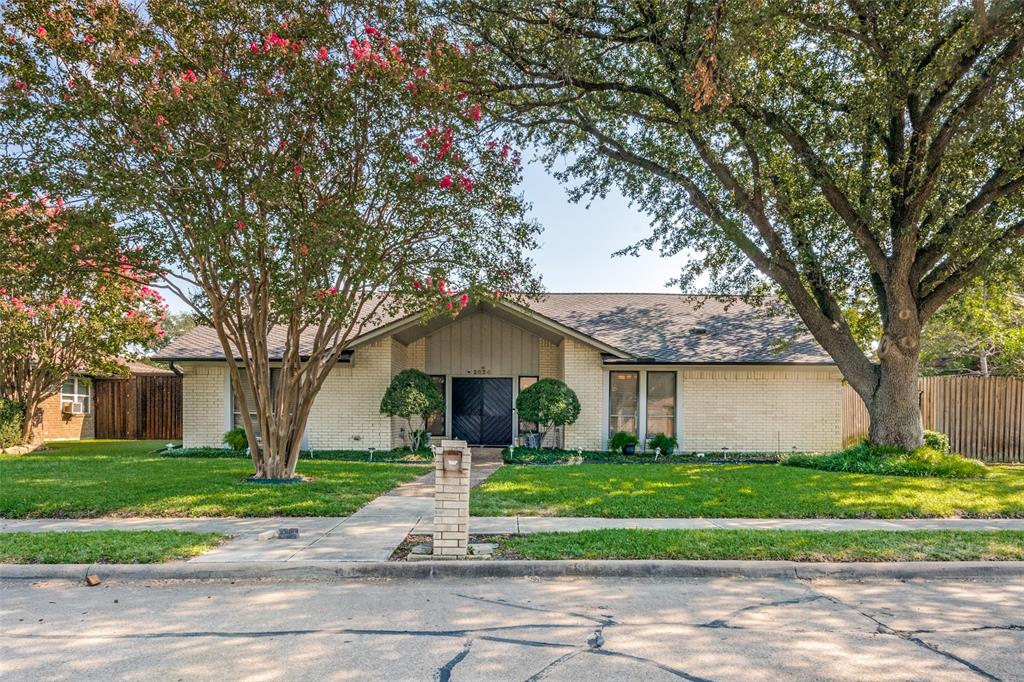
[(304, 170), (865, 159)]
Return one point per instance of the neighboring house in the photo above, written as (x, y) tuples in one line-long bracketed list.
[(71, 413), (718, 375)]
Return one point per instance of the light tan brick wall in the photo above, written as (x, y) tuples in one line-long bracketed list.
[(52, 424), (583, 373), (346, 414), (399, 359), (416, 354), (550, 360), (203, 404), (761, 408)]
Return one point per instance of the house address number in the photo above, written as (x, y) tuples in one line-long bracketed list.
[(480, 370)]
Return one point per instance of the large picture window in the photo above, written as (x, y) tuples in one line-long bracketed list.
[(661, 403), (436, 424), (524, 426), (623, 402), (76, 396)]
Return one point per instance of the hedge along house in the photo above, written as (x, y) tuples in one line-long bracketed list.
[(717, 374)]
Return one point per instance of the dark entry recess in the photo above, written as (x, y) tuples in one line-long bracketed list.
[(482, 410)]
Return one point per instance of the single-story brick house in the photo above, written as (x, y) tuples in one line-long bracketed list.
[(71, 413), (718, 374)]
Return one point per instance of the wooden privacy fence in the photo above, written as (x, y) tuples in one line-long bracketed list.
[(143, 407), (983, 416)]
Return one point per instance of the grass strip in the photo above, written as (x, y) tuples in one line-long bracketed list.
[(791, 545), (104, 546)]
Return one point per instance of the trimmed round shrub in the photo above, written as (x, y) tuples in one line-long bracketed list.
[(412, 393), (667, 443), (548, 402), (236, 439), (11, 414)]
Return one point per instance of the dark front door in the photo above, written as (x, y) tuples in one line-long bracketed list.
[(482, 411)]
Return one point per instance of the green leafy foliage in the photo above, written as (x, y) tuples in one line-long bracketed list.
[(11, 414), (857, 163), (286, 161), (889, 461), (236, 440), (667, 444), (548, 402), (980, 331), (403, 455), (73, 298), (620, 439), (412, 393), (937, 441)]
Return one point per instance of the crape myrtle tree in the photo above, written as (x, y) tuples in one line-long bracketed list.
[(71, 301), (302, 169), (865, 160)]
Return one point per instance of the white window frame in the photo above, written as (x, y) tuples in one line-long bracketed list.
[(81, 388)]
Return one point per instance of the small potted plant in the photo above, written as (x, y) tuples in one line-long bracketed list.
[(624, 442)]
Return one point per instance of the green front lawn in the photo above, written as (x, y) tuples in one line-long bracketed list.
[(127, 478), (106, 546), (741, 490), (791, 545)]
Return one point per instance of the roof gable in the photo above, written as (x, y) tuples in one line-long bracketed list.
[(656, 328)]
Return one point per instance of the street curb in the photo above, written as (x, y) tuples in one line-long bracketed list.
[(333, 570)]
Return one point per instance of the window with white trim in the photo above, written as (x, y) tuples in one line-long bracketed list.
[(76, 396), (623, 402)]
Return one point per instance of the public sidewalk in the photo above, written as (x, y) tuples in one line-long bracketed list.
[(376, 530)]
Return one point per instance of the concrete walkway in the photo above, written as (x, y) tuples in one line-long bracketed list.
[(370, 534)]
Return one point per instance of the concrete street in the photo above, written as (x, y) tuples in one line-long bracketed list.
[(513, 629)]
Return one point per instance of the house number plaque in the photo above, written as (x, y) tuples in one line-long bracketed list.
[(480, 370)]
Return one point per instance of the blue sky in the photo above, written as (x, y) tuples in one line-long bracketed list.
[(577, 242)]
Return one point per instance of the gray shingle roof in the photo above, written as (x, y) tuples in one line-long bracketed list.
[(664, 328), (652, 327)]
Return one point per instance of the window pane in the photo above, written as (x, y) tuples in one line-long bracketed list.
[(68, 389), (661, 403), (623, 401), (524, 426), (85, 405), (436, 422)]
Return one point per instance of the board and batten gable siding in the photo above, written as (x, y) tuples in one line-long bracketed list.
[(761, 408), (482, 343), (205, 408)]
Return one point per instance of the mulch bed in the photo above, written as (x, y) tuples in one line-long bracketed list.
[(402, 552)]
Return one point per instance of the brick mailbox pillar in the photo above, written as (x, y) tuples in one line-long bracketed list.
[(452, 461)]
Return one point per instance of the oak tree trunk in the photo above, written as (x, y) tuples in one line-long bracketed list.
[(894, 406)]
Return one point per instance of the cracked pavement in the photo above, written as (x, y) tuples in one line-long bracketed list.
[(514, 629)]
